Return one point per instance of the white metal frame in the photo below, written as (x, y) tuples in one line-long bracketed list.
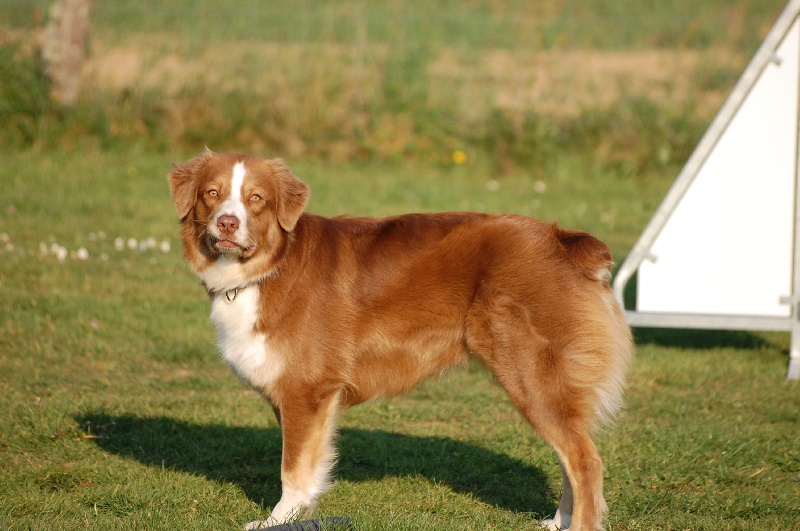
[(642, 249)]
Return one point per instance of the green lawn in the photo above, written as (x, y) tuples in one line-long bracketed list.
[(619, 24), (116, 412)]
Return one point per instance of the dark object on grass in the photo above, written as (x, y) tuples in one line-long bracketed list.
[(334, 522)]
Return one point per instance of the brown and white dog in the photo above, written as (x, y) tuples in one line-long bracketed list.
[(318, 314)]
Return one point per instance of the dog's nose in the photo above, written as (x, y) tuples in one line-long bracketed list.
[(227, 224)]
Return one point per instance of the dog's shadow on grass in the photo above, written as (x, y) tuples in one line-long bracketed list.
[(250, 458)]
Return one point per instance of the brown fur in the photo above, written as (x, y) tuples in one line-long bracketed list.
[(357, 308)]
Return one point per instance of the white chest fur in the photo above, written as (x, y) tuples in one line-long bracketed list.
[(246, 351)]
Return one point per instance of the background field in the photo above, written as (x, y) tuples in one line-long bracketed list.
[(115, 410)]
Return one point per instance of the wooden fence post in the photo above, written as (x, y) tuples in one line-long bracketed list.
[(64, 48)]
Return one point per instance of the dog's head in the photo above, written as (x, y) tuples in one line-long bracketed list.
[(236, 209)]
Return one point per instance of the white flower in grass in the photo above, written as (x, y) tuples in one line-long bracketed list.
[(60, 252), (151, 243), (165, 246), (132, 244), (119, 244), (82, 254)]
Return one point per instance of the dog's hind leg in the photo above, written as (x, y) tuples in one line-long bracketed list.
[(534, 373), (582, 504), (308, 424), (582, 470), (563, 515)]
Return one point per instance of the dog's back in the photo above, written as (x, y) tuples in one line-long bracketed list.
[(408, 296)]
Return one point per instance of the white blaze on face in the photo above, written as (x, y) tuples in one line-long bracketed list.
[(233, 205)]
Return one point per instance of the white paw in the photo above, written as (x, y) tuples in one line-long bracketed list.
[(552, 524), (259, 524)]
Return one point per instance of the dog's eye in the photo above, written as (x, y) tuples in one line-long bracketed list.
[(213, 193), (255, 197)]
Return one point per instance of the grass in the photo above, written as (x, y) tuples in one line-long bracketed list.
[(619, 24), (389, 81), (118, 414), (115, 409)]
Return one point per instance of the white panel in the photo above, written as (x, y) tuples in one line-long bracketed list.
[(728, 246)]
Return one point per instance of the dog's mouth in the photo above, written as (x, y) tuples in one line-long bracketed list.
[(226, 246)]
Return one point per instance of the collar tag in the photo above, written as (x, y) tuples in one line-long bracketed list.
[(231, 294)]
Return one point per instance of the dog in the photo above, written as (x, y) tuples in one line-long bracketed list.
[(318, 314)]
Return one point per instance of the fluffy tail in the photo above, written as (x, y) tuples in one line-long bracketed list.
[(606, 345), (589, 255)]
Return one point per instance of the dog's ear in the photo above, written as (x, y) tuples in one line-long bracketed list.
[(183, 183), (292, 196)]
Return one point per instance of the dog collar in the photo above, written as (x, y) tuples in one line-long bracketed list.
[(230, 295)]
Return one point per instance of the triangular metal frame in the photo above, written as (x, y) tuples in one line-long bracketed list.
[(643, 247)]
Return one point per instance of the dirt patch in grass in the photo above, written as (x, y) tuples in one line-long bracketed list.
[(559, 83), (565, 82)]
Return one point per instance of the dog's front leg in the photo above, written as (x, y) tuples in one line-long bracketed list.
[(308, 424)]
